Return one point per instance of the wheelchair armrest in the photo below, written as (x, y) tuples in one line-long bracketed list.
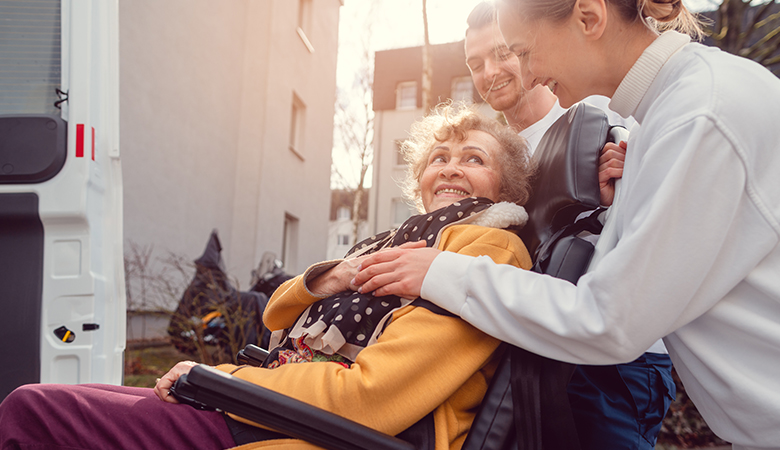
[(208, 386), (252, 355)]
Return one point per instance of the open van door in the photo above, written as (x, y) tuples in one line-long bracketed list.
[(62, 292)]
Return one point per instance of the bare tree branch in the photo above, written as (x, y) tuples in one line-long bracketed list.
[(354, 133)]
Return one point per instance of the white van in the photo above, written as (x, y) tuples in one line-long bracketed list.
[(61, 269)]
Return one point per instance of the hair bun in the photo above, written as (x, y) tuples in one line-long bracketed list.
[(661, 10)]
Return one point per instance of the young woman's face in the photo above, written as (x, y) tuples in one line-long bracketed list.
[(458, 170), (548, 52)]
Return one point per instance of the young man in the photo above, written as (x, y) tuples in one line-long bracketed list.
[(615, 407)]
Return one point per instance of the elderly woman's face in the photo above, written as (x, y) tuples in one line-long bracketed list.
[(458, 170)]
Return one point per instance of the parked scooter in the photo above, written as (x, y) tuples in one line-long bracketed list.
[(213, 313)]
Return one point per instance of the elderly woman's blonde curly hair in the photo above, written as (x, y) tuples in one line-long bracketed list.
[(453, 121)]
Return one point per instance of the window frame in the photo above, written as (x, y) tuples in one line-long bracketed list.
[(289, 255), (463, 80), (303, 29), (402, 87), (297, 125), (341, 216)]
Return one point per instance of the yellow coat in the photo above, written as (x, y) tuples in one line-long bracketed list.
[(422, 362)]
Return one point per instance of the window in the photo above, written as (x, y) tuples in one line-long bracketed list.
[(462, 89), (343, 213), (304, 23), (406, 95), (297, 119), (400, 212), (290, 243), (399, 156), (31, 57), (342, 239)]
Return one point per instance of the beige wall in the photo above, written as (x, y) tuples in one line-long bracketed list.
[(206, 93)]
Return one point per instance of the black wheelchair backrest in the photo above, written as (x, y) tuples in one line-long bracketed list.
[(566, 185)]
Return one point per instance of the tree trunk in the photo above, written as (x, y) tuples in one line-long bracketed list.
[(427, 74)]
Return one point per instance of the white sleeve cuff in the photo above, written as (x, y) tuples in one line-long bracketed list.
[(445, 282), (317, 270)]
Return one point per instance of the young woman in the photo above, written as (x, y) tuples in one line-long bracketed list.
[(396, 364), (698, 221)]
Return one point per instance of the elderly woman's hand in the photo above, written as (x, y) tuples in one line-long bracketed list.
[(396, 271), (611, 162), (336, 279), (163, 386)]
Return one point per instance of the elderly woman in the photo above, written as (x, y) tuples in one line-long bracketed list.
[(386, 362)]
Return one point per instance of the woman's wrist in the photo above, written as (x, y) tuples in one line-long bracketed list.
[(316, 277)]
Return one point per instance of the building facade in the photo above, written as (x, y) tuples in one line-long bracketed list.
[(341, 228), (227, 123), (397, 105)]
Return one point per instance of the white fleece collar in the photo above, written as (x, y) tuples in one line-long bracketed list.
[(637, 81), (502, 215)]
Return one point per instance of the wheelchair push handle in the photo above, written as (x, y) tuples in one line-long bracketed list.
[(252, 355)]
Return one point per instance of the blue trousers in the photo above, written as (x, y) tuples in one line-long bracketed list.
[(621, 407)]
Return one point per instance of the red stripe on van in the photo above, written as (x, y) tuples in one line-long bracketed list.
[(79, 140), (93, 143)]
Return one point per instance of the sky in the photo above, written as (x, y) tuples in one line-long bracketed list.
[(396, 24)]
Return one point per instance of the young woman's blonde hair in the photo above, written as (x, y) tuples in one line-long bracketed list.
[(658, 15), (453, 121)]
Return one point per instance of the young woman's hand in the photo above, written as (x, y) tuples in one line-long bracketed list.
[(398, 271), (336, 279), (163, 386), (611, 163)]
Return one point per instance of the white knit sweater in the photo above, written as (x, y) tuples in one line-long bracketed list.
[(697, 259)]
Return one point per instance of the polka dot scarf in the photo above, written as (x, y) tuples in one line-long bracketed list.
[(337, 328)]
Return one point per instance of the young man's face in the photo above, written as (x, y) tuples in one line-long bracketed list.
[(495, 70)]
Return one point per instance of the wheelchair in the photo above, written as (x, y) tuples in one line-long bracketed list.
[(526, 405)]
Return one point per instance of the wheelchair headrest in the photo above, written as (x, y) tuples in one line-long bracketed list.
[(566, 183)]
